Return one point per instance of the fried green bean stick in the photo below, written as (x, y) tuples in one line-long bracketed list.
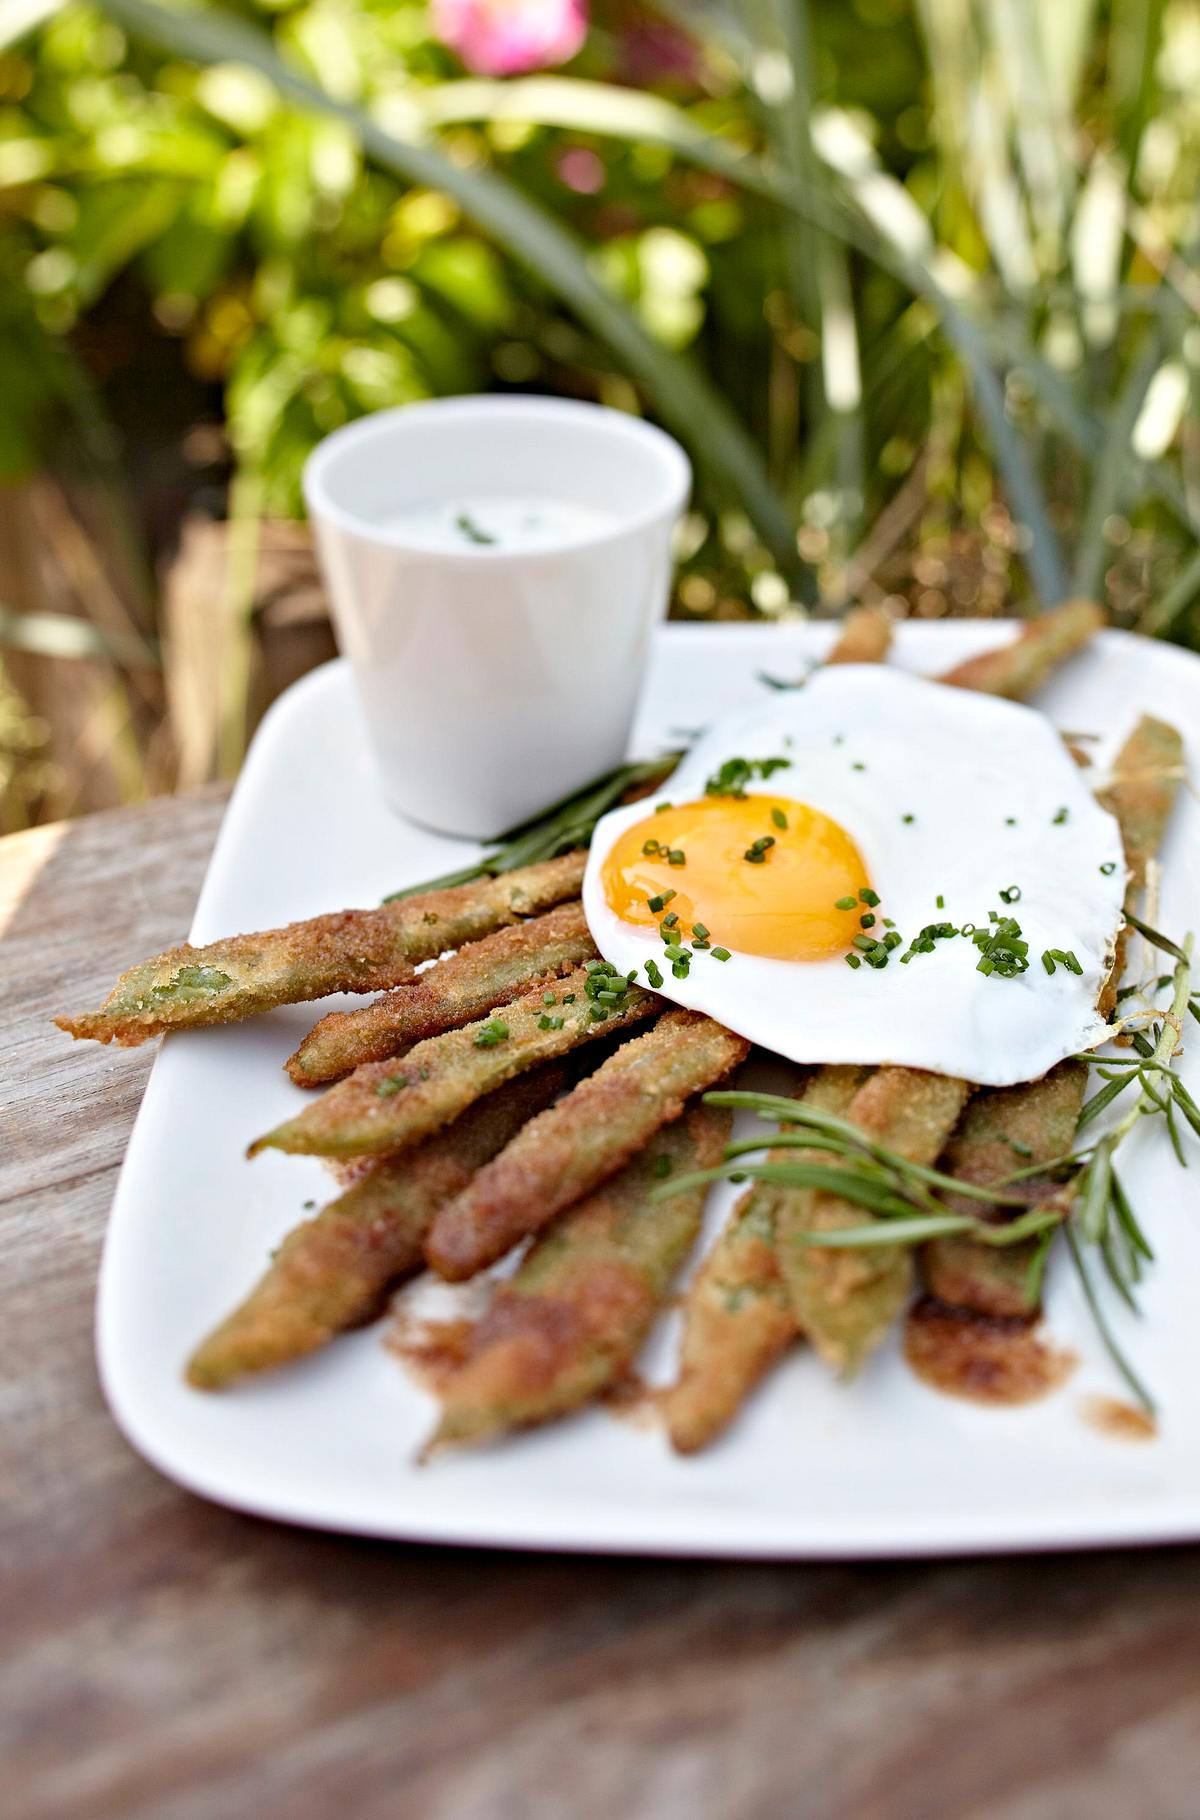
[(1019, 669), (587, 1137), (845, 1300), (738, 1317), (347, 951), (1141, 794), (572, 1318), (387, 1107), (865, 637), (335, 1272), (1003, 1129), (465, 986)]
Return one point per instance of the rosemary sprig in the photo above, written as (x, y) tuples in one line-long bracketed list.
[(1080, 1191), (566, 824)]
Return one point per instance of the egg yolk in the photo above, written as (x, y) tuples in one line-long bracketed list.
[(782, 905)]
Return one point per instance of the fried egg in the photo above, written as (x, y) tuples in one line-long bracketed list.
[(872, 869)]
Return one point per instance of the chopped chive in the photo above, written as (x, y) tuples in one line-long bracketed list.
[(491, 1033), (1011, 894), (547, 998), (908, 820), (653, 974), (1061, 817), (677, 857), (858, 765), (721, 954), (546, 1022), (754, 857), (779, 818), (568, 998), (868, 897), (1109, 867), (670, 919), (866, 921), (1010, 821), (660, 902), (659, 807), (650, 848), (700, 930), (701, 944), (852, 960), (680, 968), (940, 902), (846, 903), (674, 952)]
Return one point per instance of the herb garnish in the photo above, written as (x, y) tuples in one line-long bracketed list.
[(1081, 1193), (471, 531), (736, 773)]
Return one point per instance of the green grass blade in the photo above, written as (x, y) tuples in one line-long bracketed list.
[(682, 396), (1112, 468), (621, 113)]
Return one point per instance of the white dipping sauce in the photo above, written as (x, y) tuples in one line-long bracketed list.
[(498, 523)]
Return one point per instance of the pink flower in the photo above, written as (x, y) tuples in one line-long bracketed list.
[(509, 37)]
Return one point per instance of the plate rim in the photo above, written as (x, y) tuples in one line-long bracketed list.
[(1145, 1522)]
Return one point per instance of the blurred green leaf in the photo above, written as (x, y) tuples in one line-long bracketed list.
[(680, 393)]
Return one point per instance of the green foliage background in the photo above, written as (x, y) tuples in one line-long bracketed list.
[(882, 265)]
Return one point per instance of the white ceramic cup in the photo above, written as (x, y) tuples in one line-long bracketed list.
[(495, 681)]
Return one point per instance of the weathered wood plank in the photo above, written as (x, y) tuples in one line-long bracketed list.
[(161, 1659)]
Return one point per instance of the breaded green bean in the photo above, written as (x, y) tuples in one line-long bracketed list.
[(387, 1107), (347, 951), (577, 1144), (865, 637), (1019, 669), (1003, 1129), (571, 1319), (1140, 793), (335, 1272), (738, 1317), (845, 1301), (465, 986)]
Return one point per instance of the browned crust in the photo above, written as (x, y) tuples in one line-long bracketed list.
[(346, 951), (1019, 669), (334, 1272), (1003, 1129), (465, 986), (982, 1359), (865, 637), (845, 1300), (738, 1317), (587, 1137), (386, 1107), (1141, 794), (572, 1317)]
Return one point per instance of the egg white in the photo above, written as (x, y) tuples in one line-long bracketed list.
[(961, 764)]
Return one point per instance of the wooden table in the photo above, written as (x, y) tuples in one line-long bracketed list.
[(165, 1658)]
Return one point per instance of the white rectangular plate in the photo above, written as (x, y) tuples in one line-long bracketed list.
[(813, 1468)]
